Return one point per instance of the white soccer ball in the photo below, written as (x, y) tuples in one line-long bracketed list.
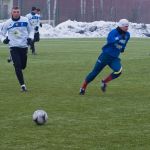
[(40, 117)]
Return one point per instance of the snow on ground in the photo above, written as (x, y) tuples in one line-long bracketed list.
[(74, 29), (96, 29)]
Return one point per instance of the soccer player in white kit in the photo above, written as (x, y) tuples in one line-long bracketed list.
[(18, 33), (34, 20)]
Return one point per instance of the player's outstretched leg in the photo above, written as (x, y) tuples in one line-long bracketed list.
[(92, 75), (83, 88)]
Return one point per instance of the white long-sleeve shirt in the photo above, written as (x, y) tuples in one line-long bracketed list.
[(17, 32), (34, 20)]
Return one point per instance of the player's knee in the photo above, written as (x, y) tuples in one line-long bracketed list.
[(17, 66), (116, 74), (118, 71), (23, 66)]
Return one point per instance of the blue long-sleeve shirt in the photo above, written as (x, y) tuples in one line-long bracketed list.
[(116, 43)]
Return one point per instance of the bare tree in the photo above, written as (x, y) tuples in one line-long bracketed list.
[(93, 8), (1, 9), (81, 8), (113, 11), (54, 12), (84, 11), (49, 11), (101, 8)]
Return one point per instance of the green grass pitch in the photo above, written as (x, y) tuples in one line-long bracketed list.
[(116, 120)]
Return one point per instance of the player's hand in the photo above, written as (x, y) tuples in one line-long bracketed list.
[(36, 28), (122, 50), (6, 41), (29, 41), (40, 24)]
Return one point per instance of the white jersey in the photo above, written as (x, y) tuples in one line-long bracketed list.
[(1, 25), (39, 16), (34, 20), (17, 32)]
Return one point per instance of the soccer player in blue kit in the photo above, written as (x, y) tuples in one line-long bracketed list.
[(116, 43)]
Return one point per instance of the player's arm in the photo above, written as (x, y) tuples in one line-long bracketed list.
[(37, 25), (41, 24), (113, 37), (30, 31), (31, 34), (29, 17), (4, 39), (122, 50)]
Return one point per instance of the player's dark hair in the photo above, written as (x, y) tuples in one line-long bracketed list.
[(15, 7), (38, 9), (33, 8)]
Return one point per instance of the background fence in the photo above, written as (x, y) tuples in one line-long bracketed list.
[(83, 10)]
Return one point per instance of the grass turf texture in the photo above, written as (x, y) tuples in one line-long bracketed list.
[(116, 120)]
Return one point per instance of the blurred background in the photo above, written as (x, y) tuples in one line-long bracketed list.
[(57, 11)]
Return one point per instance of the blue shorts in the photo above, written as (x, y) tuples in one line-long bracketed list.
[(104, 59)]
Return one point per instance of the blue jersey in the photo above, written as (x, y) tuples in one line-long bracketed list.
[(116, 43)]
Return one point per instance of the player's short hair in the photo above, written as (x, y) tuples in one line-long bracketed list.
[(38, 9), (33, 8), (15, 7)]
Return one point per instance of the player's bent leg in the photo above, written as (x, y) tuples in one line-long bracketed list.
[(37, 37), (111, 77), (116, 74), (33, 48), (103, 86)]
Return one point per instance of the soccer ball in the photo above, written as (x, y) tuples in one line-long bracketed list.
[(40, 117)]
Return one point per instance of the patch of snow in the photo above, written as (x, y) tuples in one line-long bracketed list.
[(96, 29)]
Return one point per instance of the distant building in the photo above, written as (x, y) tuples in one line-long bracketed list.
[(83, 10)]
